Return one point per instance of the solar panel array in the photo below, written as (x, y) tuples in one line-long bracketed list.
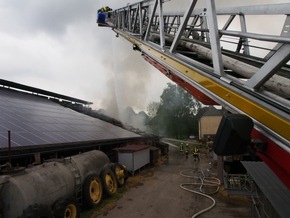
[(34, 120)]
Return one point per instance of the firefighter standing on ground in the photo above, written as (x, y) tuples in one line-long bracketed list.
[(195, 154), (186, 151), (181, 148)]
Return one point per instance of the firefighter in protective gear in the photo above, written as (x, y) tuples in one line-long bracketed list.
[(195, 154), (181, 148), (186, 151), (102, 17), (104, 9)]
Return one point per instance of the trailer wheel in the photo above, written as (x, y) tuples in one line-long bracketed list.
[(109, 181), (92, 191), (37, 211), (67, 209), (120, 173)]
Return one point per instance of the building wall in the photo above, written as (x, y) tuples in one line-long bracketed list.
[(141, 158), (134, 160), (208, 125)]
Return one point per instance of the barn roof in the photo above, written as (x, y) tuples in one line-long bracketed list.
[(212, 111), (37, 121)]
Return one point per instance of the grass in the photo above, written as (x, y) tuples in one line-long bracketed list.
[(107, 204)]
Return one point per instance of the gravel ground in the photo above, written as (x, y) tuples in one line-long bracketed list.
[(155, 192)]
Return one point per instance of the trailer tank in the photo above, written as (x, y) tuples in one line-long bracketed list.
[(46, 184)]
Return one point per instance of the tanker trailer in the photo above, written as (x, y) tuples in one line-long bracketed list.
[(57, 188)]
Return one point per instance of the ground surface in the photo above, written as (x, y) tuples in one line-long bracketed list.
[(155, 192)]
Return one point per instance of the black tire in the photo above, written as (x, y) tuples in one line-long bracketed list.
[(120, 173), (37, 211), (126, 173), (109, 181), (92, 191), (66, 209)]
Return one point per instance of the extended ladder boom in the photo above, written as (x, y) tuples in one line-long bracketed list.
[(211, 54)]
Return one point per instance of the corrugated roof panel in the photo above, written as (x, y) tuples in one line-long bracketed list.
[(272, 187), (34, 120)]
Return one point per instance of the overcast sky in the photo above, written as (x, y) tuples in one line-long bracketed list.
[(56, 45)]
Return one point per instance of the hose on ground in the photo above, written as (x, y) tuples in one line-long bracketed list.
[(7, 164), (203, 182)]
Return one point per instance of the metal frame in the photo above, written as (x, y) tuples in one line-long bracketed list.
[(135, 22), (214, 38)]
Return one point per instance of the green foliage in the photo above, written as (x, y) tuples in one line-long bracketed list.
[(175, 115)]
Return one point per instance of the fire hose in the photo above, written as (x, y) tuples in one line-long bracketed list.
[(203, 182)]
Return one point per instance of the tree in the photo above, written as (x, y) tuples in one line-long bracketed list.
[(175, 114)]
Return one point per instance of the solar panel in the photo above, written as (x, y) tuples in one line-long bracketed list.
[(36, 121), (3, 138)]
